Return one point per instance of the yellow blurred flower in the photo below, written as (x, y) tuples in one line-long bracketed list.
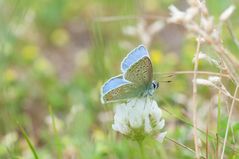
[(151, 5), (43, 65), (98, 135), (156, 56), (10, 75), (59, 37), (29, 52), (101, 147)]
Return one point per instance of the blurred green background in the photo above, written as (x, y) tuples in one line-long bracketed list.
[(56, 54)]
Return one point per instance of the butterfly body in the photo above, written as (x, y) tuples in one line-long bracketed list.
[(135, 80)]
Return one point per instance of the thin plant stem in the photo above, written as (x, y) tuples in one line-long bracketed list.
[(207, 149), (194, 100), (141, 147), (207, 143), (218, 121), (210, 135), (192, 72), (120, 18), (53, 120), (186, 120), (234, 38), (56, 135), (217, 146), (182, 145), (228, 123), (33, 150), (225, 92)]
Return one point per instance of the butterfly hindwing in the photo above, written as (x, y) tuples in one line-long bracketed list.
[(116, 89), (134, 56), (140, 72), (113, 83), (123, 92)]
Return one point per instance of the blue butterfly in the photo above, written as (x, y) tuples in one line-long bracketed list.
[(135, 80)]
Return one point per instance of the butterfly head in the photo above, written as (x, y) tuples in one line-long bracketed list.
[(154, 85)]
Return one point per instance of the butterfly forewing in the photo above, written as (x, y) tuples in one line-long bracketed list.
[(140, 73), (134, 56)]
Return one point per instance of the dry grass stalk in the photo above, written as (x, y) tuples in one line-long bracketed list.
[(208, 32)]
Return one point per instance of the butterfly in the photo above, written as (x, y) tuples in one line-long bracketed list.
[(135, 80)]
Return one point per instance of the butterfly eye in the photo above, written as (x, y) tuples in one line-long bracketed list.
[(155, 84)]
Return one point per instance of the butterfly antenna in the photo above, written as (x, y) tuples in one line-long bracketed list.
[(165, 75), (166, 78), (171, 75), (167, 81)]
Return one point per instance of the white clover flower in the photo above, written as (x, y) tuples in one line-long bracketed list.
[(161, 137), (139, 118)]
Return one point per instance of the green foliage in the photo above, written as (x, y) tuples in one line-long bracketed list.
[(58, 53)]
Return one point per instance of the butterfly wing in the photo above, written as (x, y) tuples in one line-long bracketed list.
[(116, 89), (137, 75), (134, 56), (140, 73)]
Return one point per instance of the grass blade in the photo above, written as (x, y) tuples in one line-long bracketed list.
[(28, 142)]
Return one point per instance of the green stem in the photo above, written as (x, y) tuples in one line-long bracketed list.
[(33, 150), (219, 112), (141, 146), (218, 123), (184, 146), (56, 137)]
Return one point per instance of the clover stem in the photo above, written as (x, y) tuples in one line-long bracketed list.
[(141, 149)]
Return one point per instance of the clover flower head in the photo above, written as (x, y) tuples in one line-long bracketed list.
[(139, 118)]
